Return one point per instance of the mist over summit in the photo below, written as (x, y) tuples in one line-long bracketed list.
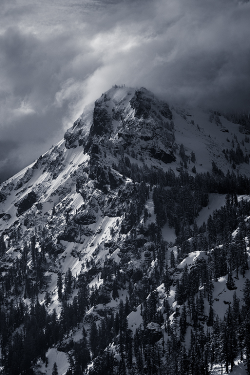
[(57, 58)]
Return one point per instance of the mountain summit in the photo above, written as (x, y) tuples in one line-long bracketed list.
[(125, 247)]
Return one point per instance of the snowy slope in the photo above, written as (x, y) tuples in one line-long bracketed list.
[(79, 206)]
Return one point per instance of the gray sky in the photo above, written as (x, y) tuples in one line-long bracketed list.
[(56, 56)]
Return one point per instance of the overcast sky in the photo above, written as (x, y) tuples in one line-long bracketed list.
[(56, 56)]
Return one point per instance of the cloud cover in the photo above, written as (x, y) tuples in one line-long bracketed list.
[(56, 57)]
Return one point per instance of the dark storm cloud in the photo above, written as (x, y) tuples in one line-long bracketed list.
[(38, 93), (58, 56), (7, 159), (190, 51)]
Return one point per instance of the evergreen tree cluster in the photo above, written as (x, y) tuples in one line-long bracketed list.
[(236, 157), (159, 346), (215, 182)]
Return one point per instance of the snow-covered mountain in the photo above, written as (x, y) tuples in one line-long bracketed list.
[(123, 245)]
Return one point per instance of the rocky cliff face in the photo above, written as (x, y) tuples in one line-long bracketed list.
[(104, 253)]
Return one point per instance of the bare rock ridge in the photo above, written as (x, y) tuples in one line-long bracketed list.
[(124, 249)]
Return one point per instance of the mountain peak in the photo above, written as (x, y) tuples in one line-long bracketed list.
[(130, 228)]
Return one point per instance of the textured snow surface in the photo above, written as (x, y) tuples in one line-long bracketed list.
[(61, 360), (239, 369)]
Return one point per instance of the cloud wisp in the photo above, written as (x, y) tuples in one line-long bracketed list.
[(57, 57)]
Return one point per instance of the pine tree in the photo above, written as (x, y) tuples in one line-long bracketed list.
[(183, 322), (236, 313), (230, 282), (229, 340), (245, 327), (93, 339), (167, 281), (59, 285), (193, 158), (82, 299), (68, 283), (33, 250), (2, 245), (210, 320), (172, 259), (55, 369), (152, 306), (182, 152), (47, 298), (246, 293), (247, 341), (115, 293)]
